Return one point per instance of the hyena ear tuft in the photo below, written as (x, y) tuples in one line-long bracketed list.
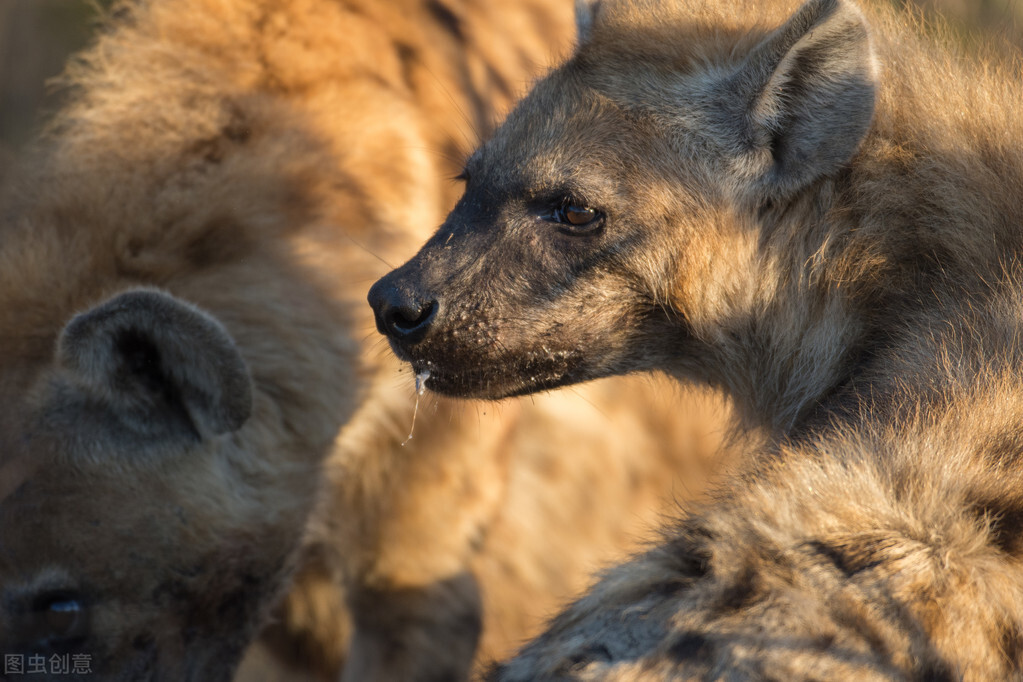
[(585, 14), (807, 93), (161, 369)]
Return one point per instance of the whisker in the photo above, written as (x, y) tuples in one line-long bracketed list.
[(369, 251)]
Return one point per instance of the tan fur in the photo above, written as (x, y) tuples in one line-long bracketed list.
[(170, 457), (816, 208), (885, 550), (881, 553)]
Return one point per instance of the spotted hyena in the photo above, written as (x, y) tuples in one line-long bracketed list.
[(815, 209)]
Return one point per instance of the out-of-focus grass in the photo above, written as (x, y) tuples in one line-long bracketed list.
[(1003, 17), (976, 25)]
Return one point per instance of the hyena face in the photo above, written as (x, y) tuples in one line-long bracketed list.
[(612, 221), (533, 280)]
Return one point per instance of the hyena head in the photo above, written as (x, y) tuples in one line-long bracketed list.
[(139, 538), (614, 223)]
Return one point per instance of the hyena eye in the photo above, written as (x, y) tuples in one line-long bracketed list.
[(576, 218)]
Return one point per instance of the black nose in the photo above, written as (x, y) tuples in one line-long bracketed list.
[(401, 314)]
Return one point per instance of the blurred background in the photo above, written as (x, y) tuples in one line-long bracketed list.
[(37, 36)]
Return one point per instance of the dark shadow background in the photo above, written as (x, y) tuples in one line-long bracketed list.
[(36, 37)]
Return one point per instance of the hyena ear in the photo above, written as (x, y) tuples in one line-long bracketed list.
[(807, 96), (585, 14), (151, 369)]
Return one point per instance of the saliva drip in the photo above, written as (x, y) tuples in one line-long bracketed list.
[(420, 389)]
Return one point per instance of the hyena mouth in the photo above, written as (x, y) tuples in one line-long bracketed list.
[(501, 379)]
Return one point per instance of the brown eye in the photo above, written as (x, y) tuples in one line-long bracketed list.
[(578, 215), (576, 218)]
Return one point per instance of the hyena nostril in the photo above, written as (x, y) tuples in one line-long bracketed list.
[(409, 322), (407, 319), (401, 312)]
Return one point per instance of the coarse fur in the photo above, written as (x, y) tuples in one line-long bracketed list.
[(196, 421), (884, 550), (815, 208)]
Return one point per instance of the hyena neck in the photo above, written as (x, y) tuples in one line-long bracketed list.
[(789, 362), (852, 310), (769, 318), (811, 307)]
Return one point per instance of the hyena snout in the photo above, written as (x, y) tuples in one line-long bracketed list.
[(404, 313)]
